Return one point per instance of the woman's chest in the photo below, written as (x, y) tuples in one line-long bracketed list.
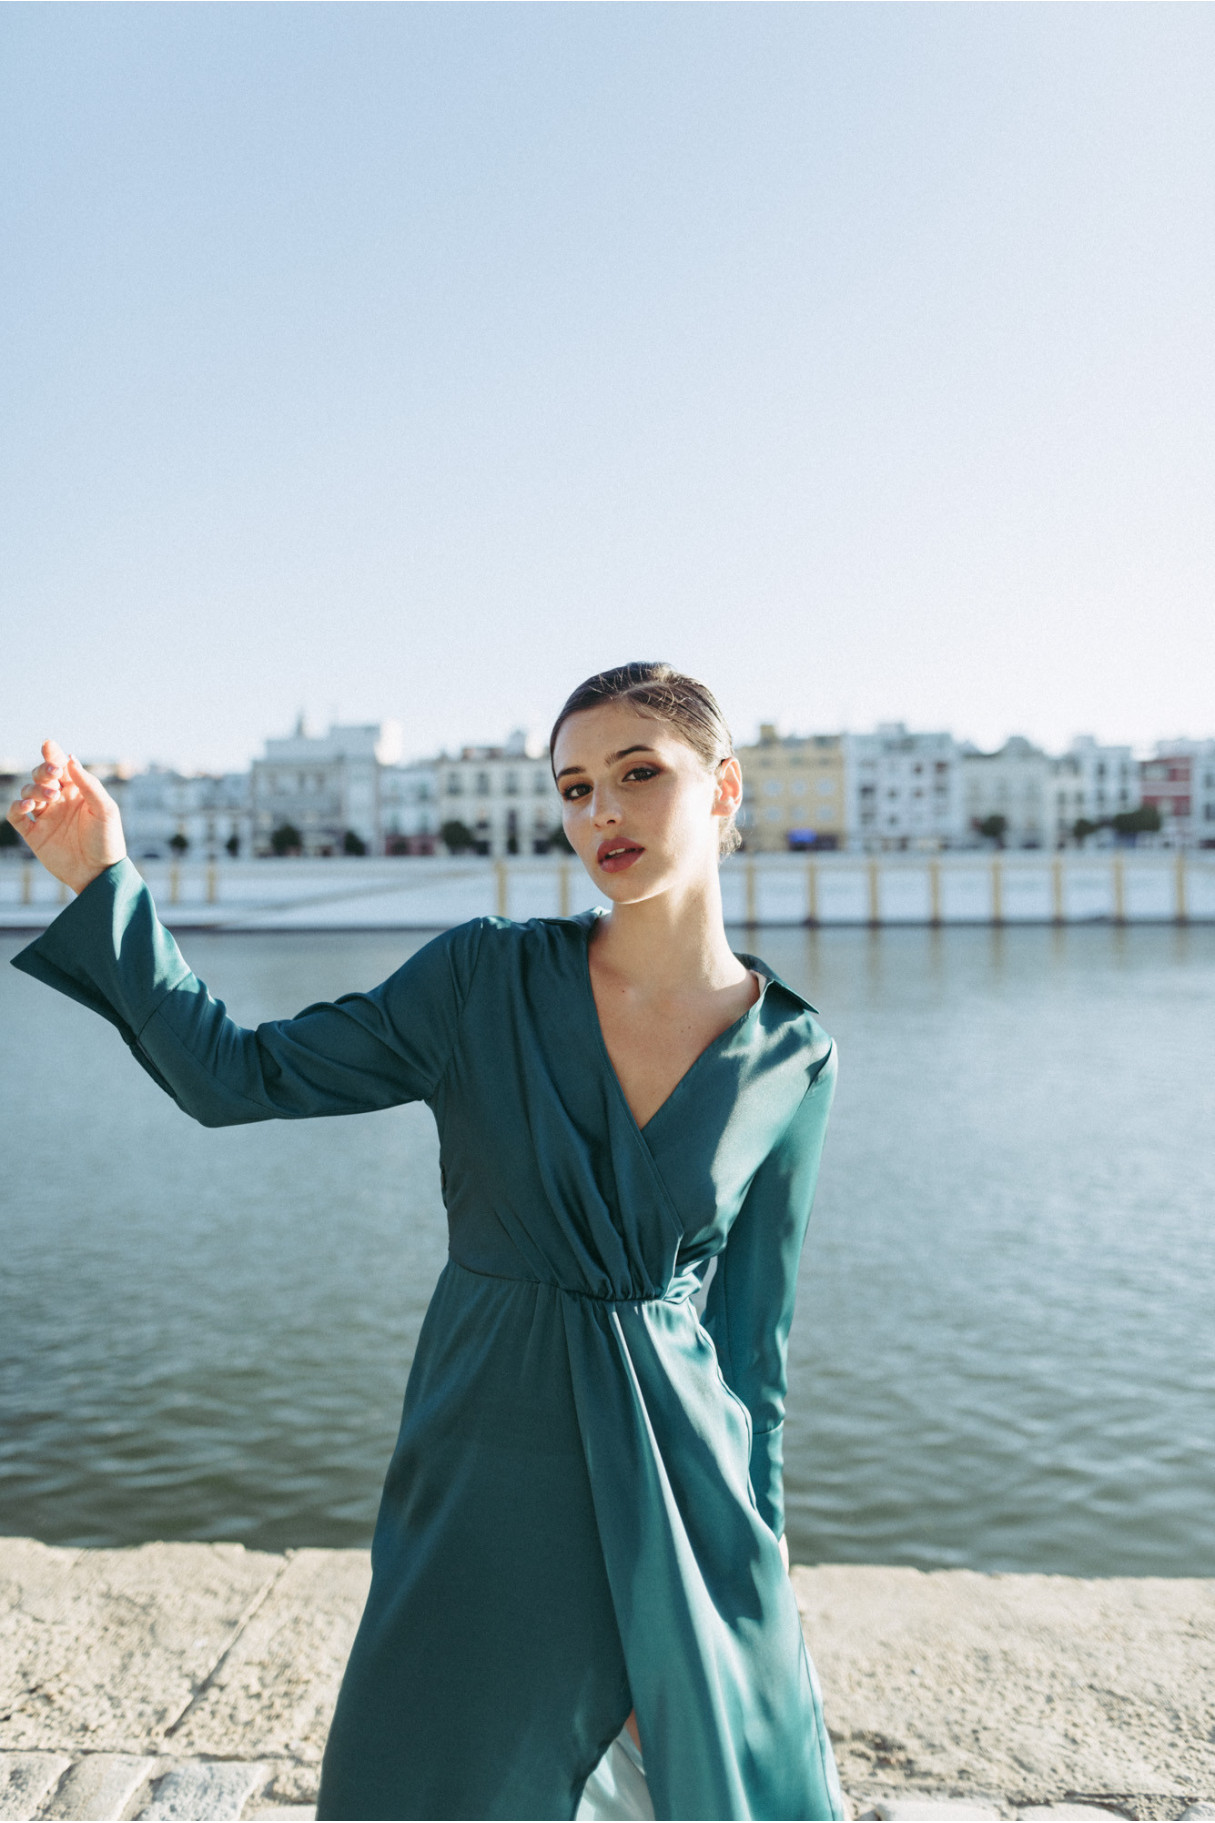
[(652, 1048)]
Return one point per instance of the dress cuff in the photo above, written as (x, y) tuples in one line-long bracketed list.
[(108, 950), (767, 1476)]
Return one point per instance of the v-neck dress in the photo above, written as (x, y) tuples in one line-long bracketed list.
[(581, 1514)]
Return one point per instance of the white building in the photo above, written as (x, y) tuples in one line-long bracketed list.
[(1091, 783), (203, 815), (902, 790), (504, 797), (1013, 783), (409, 808), (326, 787)]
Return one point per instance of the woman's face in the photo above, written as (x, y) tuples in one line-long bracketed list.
[(641, 809)]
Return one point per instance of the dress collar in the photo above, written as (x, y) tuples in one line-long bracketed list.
[(768, 975)]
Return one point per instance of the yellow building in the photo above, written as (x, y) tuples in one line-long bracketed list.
[(793, 792)]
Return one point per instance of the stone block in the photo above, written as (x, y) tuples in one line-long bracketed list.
[(950, 1679), (27, 1780), (1066, 1813), (912, 1809), (99, 1787), (274, 1693), (205, 1791), (104, 1650)]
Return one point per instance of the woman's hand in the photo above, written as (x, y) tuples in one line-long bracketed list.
[(69, 819)]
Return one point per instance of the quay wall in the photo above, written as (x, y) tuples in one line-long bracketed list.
[(430, 893), (198, 1681)]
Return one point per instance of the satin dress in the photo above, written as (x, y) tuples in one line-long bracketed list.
[(582, 1511)]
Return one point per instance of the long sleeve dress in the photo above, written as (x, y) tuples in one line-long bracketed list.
[(581, 1514)]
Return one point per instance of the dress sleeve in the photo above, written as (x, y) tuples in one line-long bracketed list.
[(109, 951), (749, 1308)]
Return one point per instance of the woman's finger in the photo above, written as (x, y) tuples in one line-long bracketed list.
[(53, 752), (42, 794), (91, 789)]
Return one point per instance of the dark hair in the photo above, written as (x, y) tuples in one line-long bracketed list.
[(688, 707)]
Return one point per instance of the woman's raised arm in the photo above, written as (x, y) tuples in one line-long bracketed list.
[(109, 951)]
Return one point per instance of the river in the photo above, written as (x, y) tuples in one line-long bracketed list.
[(1004, 1355)]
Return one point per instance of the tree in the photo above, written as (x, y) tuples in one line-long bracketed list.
[(286, 840), (1145, 821), (233, 845), (559, 842), (456, 837), (1082, 829), (353, 844), (179, 844), (993, 828), (8, 835)]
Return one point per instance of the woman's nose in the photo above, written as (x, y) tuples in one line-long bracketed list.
[(604, 809)]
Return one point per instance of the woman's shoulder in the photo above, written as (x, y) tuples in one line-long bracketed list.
[(790, 1018), (491, 939)]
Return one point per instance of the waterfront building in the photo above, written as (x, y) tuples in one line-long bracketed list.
[(325, 787), (502, 798), (1013, 784), (793, 791), (164, 812), (1091, 783), (409, 808), (1179, 781), (902, 790)]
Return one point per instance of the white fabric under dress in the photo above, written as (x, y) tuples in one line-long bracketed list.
[(616, 1791)]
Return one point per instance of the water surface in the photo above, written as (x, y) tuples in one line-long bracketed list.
[(1005, 1351)]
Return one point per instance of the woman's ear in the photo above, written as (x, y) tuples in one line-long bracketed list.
[(728, 796)]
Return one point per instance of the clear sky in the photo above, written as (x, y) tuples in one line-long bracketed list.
[(417, 360)]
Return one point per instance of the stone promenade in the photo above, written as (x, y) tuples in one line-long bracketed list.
[(196, 1681)]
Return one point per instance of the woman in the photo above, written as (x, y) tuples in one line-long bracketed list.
[(578, 1569)]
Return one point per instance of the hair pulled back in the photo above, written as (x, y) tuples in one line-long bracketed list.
[(687, 707)]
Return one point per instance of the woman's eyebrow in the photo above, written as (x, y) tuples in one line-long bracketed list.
[(611, 759)]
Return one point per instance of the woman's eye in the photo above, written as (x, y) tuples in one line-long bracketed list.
[(575, 791), (641, 772)]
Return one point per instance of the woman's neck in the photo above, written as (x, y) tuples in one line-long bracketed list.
[(674, 943)]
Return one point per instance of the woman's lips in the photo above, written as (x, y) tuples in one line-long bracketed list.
[(614, 856)]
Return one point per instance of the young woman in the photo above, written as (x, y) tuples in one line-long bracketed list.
[(579, 1591)]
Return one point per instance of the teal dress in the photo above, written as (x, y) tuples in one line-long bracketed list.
[(582, 1510)]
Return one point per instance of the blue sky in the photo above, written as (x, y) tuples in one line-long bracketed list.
[(417, 360)]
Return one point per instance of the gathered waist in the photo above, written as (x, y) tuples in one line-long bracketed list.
[(683, 1286)]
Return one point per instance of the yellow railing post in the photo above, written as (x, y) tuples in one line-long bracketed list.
[(1058, 902), (934, 893), (1118, 870), (503, 888), (1181, 910), (811, 893), (752, 907), (174, 883), (563, 890), (875, 895), (27, 883), (212, 884), (997, 891)]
